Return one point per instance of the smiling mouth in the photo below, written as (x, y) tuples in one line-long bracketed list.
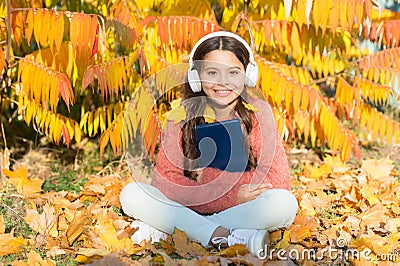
[(222, 92)]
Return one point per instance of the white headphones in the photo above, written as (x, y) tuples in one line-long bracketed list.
[(251, 69)]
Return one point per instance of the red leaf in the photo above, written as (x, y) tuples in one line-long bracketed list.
[(88, 78), (65, 133)]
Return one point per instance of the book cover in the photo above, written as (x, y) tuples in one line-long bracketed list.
[(220, 145)]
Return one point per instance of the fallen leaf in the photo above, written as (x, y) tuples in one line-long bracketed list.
[(378, 168), (233, 251), (108, 235), (75, 229), (92, 252), (55, 251), (336, 164), (10, 244), (372, 217), (307, 205), (24, 185), (320, 171), (2, 225), (370, 194), (44, 223), (186, 248)]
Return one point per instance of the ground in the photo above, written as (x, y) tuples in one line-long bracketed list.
[(75, 217)]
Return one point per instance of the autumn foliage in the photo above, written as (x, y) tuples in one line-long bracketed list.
[(108, 71), (323, 82), (337, 202)]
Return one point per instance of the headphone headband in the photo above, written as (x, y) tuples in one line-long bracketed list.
[(221, 34)]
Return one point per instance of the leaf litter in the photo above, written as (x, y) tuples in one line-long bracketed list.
[(337, 202)]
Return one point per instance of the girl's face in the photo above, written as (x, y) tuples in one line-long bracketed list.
[(222, 77)]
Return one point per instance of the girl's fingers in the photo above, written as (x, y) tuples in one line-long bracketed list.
[(253, 187)]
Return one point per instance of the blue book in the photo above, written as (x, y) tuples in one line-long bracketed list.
[(220, 145)]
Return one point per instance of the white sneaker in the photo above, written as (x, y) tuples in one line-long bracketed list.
[(146, 232), (255, 240)]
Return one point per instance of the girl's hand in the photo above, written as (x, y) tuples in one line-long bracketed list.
[(249, 192)]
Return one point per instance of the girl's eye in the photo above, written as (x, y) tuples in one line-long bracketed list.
[(234, 72), (211, 72)]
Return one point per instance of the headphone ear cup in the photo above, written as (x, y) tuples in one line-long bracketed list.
[(251, 75), (194, 80)]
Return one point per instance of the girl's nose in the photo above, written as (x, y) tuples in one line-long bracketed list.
[(223, 79)]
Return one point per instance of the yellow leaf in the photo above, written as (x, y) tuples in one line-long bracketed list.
[(45, 27), (35, 259), (233, 251), (369, 194), (108, 235), (177, 113), (250, 107), (29, 29), (209, 114), (378, 168), (37, 26), (25, 186), (301, 13), (60, 31), (323, 170), (2, 225), (92, 252), (10, 244)]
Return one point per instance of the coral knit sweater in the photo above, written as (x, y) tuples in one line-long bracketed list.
[(218, 190)]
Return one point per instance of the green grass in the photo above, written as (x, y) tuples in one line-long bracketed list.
[(12, 208), (328, 215), (64, 180)]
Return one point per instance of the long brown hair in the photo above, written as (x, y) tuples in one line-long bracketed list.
[(195, 109)]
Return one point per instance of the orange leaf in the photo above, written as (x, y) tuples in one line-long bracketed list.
[(29, 29), (38, 22), (66, 134), (104, 141), (77, 226), (2, 60), (60, 30), (88, 78), (2, 225), (10, 244), (25, 186), (334, 16), (66, 90), (52, 30)]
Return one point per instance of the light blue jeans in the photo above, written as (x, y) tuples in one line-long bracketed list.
[(272, 209)]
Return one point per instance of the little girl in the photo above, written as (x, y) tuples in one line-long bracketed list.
[(216, 207)]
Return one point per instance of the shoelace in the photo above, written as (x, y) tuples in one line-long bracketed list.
[(236, 238), (219, 240)]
